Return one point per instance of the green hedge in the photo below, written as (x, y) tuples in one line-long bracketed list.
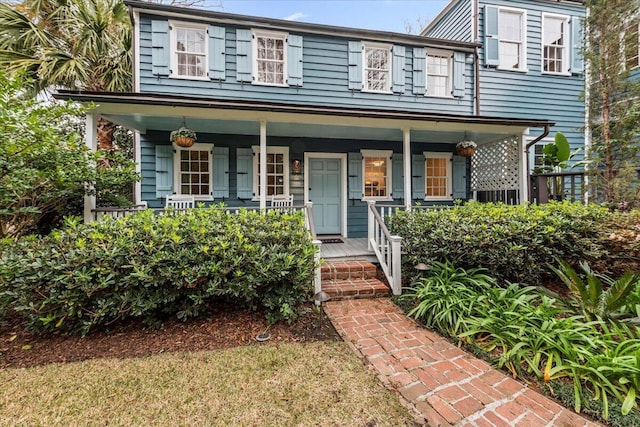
[(148, 266), (513, 243)]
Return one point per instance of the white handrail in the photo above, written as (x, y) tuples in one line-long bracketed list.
[(386, 247)]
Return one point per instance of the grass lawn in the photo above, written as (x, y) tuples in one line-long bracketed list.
[(284, 384)]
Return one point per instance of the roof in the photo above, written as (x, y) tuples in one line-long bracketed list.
[(281, 24), (185, 101)]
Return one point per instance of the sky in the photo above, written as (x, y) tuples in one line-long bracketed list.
[(383, 15)]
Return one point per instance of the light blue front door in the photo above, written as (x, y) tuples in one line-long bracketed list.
[(325, 186)]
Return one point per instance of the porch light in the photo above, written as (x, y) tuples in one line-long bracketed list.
[(183, 137), (296, 167), (466, 147)]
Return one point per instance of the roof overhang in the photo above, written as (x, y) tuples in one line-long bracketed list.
[(137, 111)]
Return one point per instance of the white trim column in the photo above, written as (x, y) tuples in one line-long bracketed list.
[(137, 157), (91, 141), (263, 164), (406, 156), (524, 173)]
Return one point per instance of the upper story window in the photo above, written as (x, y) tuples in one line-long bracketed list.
[(511, 34), (438, 176), (377, 67), (270, 53), (193, 166), (189, 50), (439, 73), (277, 171), (376, 166), (555, 41), (632, 45)]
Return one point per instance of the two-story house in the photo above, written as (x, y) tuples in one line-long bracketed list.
[(529, 61), (334, 116)]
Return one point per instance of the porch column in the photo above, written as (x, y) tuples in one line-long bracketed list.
[(524, 172), (91, 140), (263, 164), (137, 186), (406, 156)]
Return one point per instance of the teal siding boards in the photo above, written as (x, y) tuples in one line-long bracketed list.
[(456, 24), (324, 78)]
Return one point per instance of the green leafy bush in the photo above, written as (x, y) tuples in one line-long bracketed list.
[(147, 266), (513, 243)]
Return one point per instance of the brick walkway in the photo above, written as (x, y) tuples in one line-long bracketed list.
[(444, 384)]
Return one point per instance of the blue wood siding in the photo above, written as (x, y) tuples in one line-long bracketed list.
[(356, 208), (325, 79), (455, 25), (534, 94)]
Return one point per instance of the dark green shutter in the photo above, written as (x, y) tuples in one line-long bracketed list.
[(459, 177), (417, 176), (220, 172), (355, 176), (458, 74), (244, 173), (294, 60), (397, 176), (164, 170), (355, 65), (217, 62), (160, 48), (397, 72), (244, 63), (491, 40), (419, 70)]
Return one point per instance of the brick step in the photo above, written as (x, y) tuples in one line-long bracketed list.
[(344, 270), (355, 288)]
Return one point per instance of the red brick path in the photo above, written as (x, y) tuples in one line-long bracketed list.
[(441, 382)]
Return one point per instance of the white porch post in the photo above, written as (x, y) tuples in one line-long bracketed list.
[(263, 164), (524, 173), (406, 155), (137, 186), (91, 140)]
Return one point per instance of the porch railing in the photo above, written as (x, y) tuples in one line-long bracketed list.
[(387, 249), (557, 186)]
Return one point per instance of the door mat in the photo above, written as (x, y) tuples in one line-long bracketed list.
[(331, 240)]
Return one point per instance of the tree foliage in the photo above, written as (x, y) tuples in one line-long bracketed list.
[(44, 163), (613, 100)]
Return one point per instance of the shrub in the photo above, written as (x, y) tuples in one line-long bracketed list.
[(513, 243), (146, 266)]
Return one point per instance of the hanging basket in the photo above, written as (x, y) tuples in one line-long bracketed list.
[(184, 141), (465, 152)]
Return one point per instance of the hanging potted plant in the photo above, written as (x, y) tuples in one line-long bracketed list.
[(183, 137), (466, 148)]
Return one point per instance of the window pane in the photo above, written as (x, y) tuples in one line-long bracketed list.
[(375, 176), (510, 26), (436, 182)]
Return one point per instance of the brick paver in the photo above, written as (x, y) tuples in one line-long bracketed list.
[(440, 382)]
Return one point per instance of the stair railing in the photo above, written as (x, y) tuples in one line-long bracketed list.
[(386, 247)]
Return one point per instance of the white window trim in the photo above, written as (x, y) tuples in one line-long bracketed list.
[(256, 177), (177, 187), (254, 51), (523, 35), (567, 45), (449, 55), (449, 158), (173, 55), (365, 81), (378, 153)]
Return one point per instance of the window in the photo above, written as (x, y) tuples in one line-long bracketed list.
[(511, 35), (193, 166), (189, 50), (376, 165), (438, 72), (270, 53), (438, 176), (377, 67), (632, 46), (277, 171), (554, 44)]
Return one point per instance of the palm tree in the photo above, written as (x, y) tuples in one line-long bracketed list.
[(73, 44)]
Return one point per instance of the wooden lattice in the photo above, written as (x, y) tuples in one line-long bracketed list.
[(495, 166)]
